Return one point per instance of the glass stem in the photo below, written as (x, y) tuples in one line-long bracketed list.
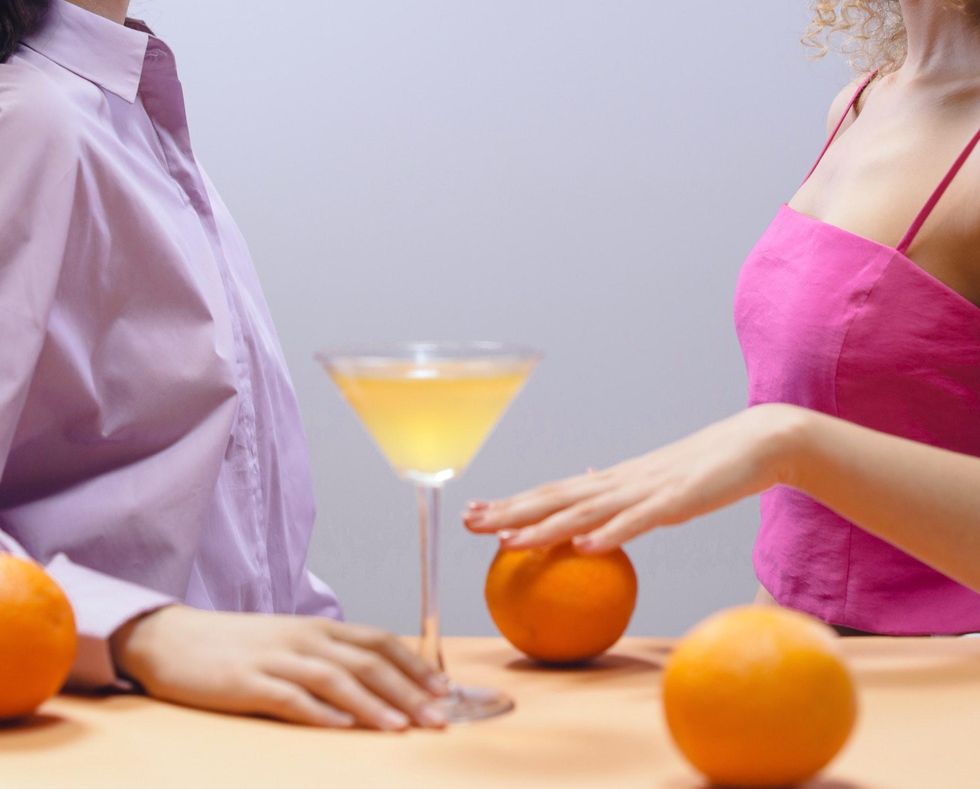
[(429, 645)]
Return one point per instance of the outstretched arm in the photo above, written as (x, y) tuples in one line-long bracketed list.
[(921, 499)]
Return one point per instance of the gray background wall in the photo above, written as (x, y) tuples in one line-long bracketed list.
[(581, 176)]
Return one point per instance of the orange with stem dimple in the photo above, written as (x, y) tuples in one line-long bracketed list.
[(559, 606), (37, 636)]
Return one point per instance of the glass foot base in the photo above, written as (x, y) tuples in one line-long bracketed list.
[(473, 704)]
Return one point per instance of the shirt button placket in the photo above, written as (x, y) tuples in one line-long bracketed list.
[(166, 108)]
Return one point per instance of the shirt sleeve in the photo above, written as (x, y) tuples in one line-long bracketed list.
[(315, 598), (101, 604), (40, 180)]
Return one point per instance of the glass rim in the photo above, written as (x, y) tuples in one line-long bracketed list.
[(426, 351)]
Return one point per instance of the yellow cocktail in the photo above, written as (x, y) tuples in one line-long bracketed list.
[(429, 407), (430, 419)]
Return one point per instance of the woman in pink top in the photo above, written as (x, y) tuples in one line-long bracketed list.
[(859, 317), (151, 450)]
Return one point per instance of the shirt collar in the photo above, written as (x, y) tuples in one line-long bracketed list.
[(104, 52)]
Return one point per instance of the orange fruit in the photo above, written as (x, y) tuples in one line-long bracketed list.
[(37, 636), (759, 696), (558, 606)]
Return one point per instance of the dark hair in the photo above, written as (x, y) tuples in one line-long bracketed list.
[(18, 18)]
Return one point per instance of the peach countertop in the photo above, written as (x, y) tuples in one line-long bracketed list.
[(596, 727)]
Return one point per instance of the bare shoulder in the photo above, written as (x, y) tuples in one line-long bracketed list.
[(840, 102), (969, 178), (964, 192)]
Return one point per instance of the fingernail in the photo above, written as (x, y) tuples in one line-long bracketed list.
[(433, 717), (473, 518), (393, 721), (477, 505), (438, 684), (514, 539), (583, 542)]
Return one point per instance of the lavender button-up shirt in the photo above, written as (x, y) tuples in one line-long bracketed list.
[(151, 448)]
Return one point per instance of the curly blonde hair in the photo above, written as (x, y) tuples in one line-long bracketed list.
[(872, 31)]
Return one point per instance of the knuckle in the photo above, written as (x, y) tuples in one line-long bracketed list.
[(373, 638), (548, 490), (306, 639), (404, 693), (418, 665), (666, 503), (348, 631), (284, 700), (506, 520), (586, 512), (370, 667), (412, 701), (328, 678), (235, 676), (640, 520)]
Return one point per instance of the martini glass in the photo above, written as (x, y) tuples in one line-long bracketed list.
[(429, 407)]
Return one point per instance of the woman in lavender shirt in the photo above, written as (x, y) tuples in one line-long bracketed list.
[(151, 451)]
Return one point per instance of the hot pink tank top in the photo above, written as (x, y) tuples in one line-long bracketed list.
[(845, 325)]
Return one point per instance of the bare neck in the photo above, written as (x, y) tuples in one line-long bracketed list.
[(111, 9), (943, 42)]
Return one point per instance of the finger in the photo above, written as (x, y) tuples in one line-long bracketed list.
[(282, 699), (625, 526), (336, 686), (534, 505), (383, 679), (522, 508), (393, 648), (578, 519)]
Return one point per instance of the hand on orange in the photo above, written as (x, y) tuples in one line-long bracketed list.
[(727, 461), (301, 669)]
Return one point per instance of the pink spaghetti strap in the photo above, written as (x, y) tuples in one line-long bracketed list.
[(935, 197), (833, 135)]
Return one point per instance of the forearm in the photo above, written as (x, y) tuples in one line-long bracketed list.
[(921, 499)]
